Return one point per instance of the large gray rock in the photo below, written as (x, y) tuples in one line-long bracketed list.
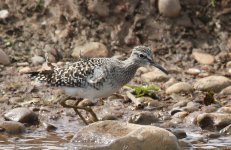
[(23, 115), (114, 135), (214, 83)]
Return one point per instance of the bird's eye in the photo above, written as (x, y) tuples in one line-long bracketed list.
[(141, 56)]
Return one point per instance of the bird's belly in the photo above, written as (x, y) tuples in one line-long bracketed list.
[(90, 92)]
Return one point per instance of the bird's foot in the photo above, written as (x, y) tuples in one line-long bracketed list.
[(76, 107)]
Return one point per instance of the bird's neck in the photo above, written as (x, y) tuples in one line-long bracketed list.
[(128, 70)]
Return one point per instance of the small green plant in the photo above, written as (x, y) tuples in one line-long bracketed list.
[(140, 91), (213, 2), (210, 99)]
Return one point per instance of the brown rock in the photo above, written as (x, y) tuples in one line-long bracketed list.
[(91, 49), (214, 83), (202, 57), (169, 8), (155, 75), (12, 127), (4, 59), (181, 87)]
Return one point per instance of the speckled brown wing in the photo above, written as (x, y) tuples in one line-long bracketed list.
[(79, 74)]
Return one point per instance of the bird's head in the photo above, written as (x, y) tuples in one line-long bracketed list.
[(143, 55)]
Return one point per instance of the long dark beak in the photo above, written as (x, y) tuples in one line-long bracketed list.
[(159, 67)]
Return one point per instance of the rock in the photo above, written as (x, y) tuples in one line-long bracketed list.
[(214, 83), (144, 118), (23, 115), (180, 115), (99, 7), (209, 108), (180, 87), (226, 91), (191, 107), (49, 127), (170, 82), (203, 58), (109, 117), (212, 121), (180, 134), (224, 110), (141, 70), (37, 60), (169, 8), (155, 75), (180, 103), (191, 119), (12, 127), (4, 14), (4, 59), (25, 70), (226, 130), (115, 135), (91, 49), (193, 71)]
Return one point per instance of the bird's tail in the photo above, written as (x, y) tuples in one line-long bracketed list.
[(42, 76)]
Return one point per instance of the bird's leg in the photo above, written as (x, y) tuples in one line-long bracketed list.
[(88, 109), (76, 107), (94, 116), (78, 113), (63, 103)]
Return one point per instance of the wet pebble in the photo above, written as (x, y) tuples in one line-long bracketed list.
[(169, 8), (213, 135), (109, 117), (214, 83), (12, 127), (144, 118), (202, 57), (226, 130), (49, 127), (180, 87), (213, 121), (180, 134), (4, 59), (23, 115)]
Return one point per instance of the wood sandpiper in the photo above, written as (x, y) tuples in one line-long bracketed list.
[(95, 78)]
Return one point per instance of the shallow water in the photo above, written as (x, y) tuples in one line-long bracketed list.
[(59, 140)]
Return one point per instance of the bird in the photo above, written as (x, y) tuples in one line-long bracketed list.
[(95, 78)]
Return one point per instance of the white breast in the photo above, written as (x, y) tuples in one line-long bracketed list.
[(90, 92)]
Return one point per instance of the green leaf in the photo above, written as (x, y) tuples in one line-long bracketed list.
[(140, 91)]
